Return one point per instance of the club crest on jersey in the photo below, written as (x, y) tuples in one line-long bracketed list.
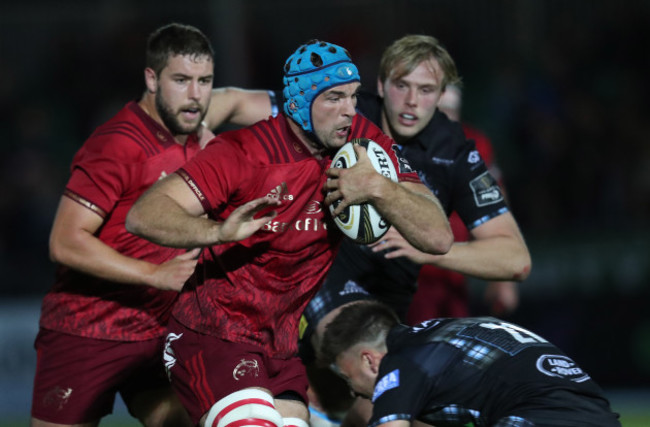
[(560, 366), (246, 367), (473, 157), (387, 382)]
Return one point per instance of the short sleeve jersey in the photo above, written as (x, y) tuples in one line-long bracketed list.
[(254, 291), (118, 162), (483, 372)]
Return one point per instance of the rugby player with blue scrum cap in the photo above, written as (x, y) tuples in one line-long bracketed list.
[(231, 349)]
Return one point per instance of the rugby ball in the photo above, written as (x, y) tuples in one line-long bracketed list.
[(362, 223)]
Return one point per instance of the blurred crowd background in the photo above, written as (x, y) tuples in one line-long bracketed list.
[(560, 86)]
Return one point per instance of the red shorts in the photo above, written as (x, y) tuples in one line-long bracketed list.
[(77, 378), (204, 369)]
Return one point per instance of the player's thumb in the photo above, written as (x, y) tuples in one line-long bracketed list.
[(190, 254)]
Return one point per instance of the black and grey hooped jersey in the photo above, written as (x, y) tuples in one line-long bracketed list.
[(483, 372)]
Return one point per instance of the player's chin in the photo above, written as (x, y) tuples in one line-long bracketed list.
[(339, 139), (190, 127), (407, 132)]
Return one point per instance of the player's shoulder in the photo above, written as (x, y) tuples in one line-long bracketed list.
[(125, 137), (444, 136), (362, 127), (253, 142)]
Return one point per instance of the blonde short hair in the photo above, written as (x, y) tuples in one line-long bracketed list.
[(406, 53)]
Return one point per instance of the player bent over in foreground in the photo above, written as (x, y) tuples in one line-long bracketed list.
[(456, 372)]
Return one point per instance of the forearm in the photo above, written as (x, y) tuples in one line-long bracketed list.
[(160, 219), (237, 106), (494, 258), (86, 253), (418, 216)]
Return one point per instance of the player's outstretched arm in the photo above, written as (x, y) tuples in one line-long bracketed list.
[(236, 106), (410, 207), (74, 244), (170, 214)]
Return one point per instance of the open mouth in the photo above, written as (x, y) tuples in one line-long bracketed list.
[(191, 113), (343, 131), (408, 119)]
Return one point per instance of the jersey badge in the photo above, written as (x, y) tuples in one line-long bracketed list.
[(560, 366), (485, 189), (57, 397), (473, 157), (387, 382), (244, 367)]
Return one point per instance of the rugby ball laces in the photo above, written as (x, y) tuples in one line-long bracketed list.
[(362, 223)]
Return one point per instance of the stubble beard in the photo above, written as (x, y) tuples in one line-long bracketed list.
[(170, 119)]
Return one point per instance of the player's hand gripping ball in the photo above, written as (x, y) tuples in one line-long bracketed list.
[(362, 223)]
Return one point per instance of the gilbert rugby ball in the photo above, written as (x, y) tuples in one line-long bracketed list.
[(362, 223)]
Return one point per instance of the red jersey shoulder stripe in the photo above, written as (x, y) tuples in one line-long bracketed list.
[(85, 203), (271, 141), (360, 127), (132, 132)]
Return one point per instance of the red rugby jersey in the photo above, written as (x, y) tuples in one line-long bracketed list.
[(118, 162), (255, 290)]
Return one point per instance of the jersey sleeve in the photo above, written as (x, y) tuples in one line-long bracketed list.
[(400, 391), (216, 173), (102, 170), (477, 194)]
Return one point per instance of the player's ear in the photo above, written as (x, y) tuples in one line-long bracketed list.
[(150, 80), (370, 361), (380, 87)]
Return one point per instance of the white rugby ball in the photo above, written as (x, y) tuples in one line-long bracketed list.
[(362, 223)]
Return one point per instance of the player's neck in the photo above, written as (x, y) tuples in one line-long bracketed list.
[(317, 150), (388, 130), (384, 124)]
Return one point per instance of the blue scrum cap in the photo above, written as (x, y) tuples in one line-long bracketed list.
[(312, 69)]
